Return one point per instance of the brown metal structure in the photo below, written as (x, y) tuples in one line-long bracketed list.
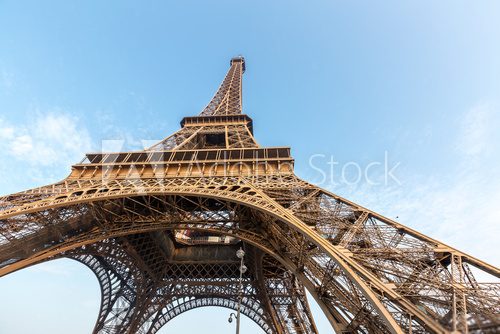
[(160, 228)]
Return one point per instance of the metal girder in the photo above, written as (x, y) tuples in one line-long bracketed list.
[(159, 228)]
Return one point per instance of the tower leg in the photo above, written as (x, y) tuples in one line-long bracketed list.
[(121, 285)]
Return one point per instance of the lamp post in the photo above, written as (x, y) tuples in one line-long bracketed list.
[(240, 253)]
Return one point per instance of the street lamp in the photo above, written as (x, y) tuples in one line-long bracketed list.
[(240, 253)]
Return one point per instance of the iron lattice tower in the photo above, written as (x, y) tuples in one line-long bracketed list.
[(160, 227)]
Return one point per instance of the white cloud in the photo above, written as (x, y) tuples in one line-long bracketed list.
[(21, 145), (6, 132), (51, 139), (42, 151)]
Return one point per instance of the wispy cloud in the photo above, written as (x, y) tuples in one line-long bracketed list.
[(6, 79), (461, 208), (56, 268), (476, 129)]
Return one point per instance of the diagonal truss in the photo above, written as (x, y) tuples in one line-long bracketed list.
[(160, 227)]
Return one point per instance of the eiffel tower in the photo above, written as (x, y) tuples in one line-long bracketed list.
[(160, 229)]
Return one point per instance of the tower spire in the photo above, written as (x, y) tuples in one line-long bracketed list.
[(221, 123), (228, 99)]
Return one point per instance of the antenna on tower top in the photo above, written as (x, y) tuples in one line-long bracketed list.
[(239, 59)]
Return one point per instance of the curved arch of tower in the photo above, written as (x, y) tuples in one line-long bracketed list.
[(160, 229)]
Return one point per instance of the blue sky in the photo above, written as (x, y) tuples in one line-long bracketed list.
[(417, 82)]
